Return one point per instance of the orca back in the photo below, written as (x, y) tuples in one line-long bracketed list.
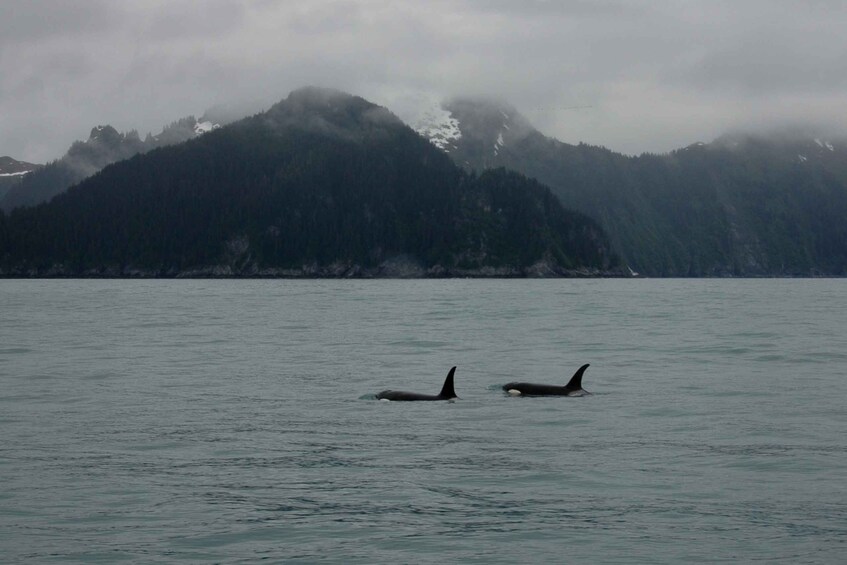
[(535, 389), (403, 395), (447, 392), (573, 388)]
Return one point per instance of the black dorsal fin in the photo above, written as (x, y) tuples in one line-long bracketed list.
[(576, 380), (447, 391)]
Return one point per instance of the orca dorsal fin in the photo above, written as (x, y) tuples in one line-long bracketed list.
[(576, 380), (447, 391)]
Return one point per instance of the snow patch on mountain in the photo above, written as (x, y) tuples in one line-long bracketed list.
[(426, 113), (824, 144), (13, 168), (499, 143), (439, 126), (205, 127)]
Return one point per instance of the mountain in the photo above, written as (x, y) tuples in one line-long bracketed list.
[(743, 205), (11, 168), (84, 158), (473, 131), (322, 184), (12, 172)]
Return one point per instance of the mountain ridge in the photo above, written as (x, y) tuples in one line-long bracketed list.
[(321, 184), (105, 145), (12, 173), (742, 205)]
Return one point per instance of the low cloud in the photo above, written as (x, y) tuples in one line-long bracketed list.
[(634, 76)]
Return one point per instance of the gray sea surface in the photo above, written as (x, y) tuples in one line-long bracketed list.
[(225, 421)]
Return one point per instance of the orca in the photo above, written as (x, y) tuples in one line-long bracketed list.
[(447, 392), (573, 388)]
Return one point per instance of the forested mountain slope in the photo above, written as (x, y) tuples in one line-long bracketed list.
[(765, 205), (322, 184)]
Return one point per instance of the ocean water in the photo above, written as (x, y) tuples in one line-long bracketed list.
[(234, 421)]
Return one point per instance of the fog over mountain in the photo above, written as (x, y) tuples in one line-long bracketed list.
[(635, 76)]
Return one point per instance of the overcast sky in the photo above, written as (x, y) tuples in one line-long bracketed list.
[(633, 76)]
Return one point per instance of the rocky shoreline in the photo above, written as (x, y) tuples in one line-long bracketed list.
[(401, 268)]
